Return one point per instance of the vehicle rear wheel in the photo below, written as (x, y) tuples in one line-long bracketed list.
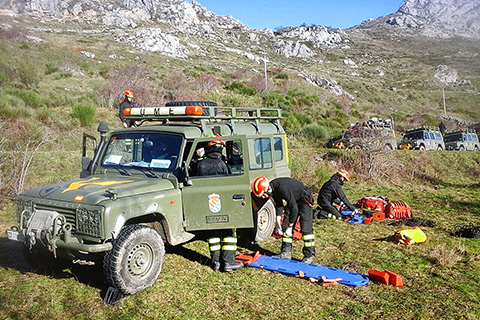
[(462, 148), (265, 221), (422, 147), (136, 259), (440, 147)]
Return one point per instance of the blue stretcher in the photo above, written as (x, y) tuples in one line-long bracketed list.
[(304, 270)]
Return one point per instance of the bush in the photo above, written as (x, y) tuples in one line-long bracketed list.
[(85, 113), (241, 88), (232, 101), (314, 132), (30, 98), (28, 74), (276, 100), (301, 99), (282, 75), (50, 68)]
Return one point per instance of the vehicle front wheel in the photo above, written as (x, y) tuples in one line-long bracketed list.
[(440, 148), (265, 221), (422, 147), (462, 148), (136, 259)]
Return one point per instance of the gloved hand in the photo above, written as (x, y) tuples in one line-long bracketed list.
[(278, 225), (354, 212), (289, 232)]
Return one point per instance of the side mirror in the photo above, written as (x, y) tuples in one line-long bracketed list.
[(86, 163), (185, 176)]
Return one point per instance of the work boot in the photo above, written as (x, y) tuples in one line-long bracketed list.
[(229, 264), (308, 260), (286, 252), (215, 260)]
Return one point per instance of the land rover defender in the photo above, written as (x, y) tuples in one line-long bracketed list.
[(139, 190)]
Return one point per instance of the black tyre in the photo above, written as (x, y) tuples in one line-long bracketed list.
[(265, 221), (440, 147), (422, 147), (191, 103), (462, 148), (136, 259)]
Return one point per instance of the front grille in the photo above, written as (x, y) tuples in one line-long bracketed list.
[(68, 213)]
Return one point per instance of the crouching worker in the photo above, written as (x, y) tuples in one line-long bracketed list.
[(222, 251), (299, 203), (332, 192)]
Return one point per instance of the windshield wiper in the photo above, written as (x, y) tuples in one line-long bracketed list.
[(147, 171), (123, 171)]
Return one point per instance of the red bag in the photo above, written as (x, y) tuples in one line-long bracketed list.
[(398, 210), (372, 203)]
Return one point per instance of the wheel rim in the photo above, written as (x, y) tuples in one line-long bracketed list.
[(262, 225), (140, 260)]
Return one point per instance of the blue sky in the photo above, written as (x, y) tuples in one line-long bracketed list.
[(273, 14)]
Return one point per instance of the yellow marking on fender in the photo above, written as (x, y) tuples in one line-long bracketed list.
[(76, 185)]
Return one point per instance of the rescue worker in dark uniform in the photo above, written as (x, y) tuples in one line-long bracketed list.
[(224, 244), (332, 192), (299, 204), (126, 103)]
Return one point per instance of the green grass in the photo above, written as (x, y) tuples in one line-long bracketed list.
[(188, 288)]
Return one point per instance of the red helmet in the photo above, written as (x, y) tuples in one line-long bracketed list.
[(260, 185), (129, 93), (344, 173), (217, 142)]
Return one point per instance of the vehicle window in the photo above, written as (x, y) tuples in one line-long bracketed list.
[(262, 154), (474, 138), (206, 159), (432, 135), (453, 137), (414, 136), (155, 151), (469, 137), (438, 136), (278, 147)]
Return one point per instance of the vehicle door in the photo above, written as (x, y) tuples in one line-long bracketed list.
[(219, 201)]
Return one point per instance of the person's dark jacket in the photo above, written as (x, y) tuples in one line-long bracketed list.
[(292, 191), (125, 104), (213, 165), (331, 191)]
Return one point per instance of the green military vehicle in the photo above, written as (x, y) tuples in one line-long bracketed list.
[(138, 191)]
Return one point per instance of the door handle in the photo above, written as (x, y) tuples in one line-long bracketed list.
[(238, 197)]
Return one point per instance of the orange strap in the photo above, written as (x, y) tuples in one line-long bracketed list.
[(329, 282)]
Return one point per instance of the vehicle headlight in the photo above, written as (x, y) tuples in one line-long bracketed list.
[(24, 212), (89, 222)]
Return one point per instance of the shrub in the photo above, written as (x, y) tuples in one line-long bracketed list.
[(276, 100), (85, 113), (301, 99), (314, 132), (30, 98), (291, 124), (28, 74), (50, 68), (282, 75), (232, 101), (241, 88)]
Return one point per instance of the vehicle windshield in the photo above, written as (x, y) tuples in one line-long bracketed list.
[(453, 137), (157, 151), (413, 136)]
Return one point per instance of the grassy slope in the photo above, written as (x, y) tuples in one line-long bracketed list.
[(441, 186)]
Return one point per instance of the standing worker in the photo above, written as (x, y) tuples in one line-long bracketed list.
[(442, 127), (224, 244), (299, 204), (126, 103), (332, 192)]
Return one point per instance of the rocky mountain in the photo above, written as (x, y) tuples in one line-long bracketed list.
[(438, 18)]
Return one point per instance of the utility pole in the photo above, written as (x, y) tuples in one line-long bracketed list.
[(444, 104), (265, 70)]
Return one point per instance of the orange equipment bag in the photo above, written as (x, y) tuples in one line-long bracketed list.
[(372, 203), (398, 210)]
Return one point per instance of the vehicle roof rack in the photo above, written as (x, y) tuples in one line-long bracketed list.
[(426, 128)]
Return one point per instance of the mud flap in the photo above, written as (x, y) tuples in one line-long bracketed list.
[(113, 296)]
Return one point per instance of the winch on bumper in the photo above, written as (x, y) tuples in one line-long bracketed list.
[(53, 230)]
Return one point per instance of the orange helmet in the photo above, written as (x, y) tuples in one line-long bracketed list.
[(129, 93), (217, 142), (344, 173), (260, 185)]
